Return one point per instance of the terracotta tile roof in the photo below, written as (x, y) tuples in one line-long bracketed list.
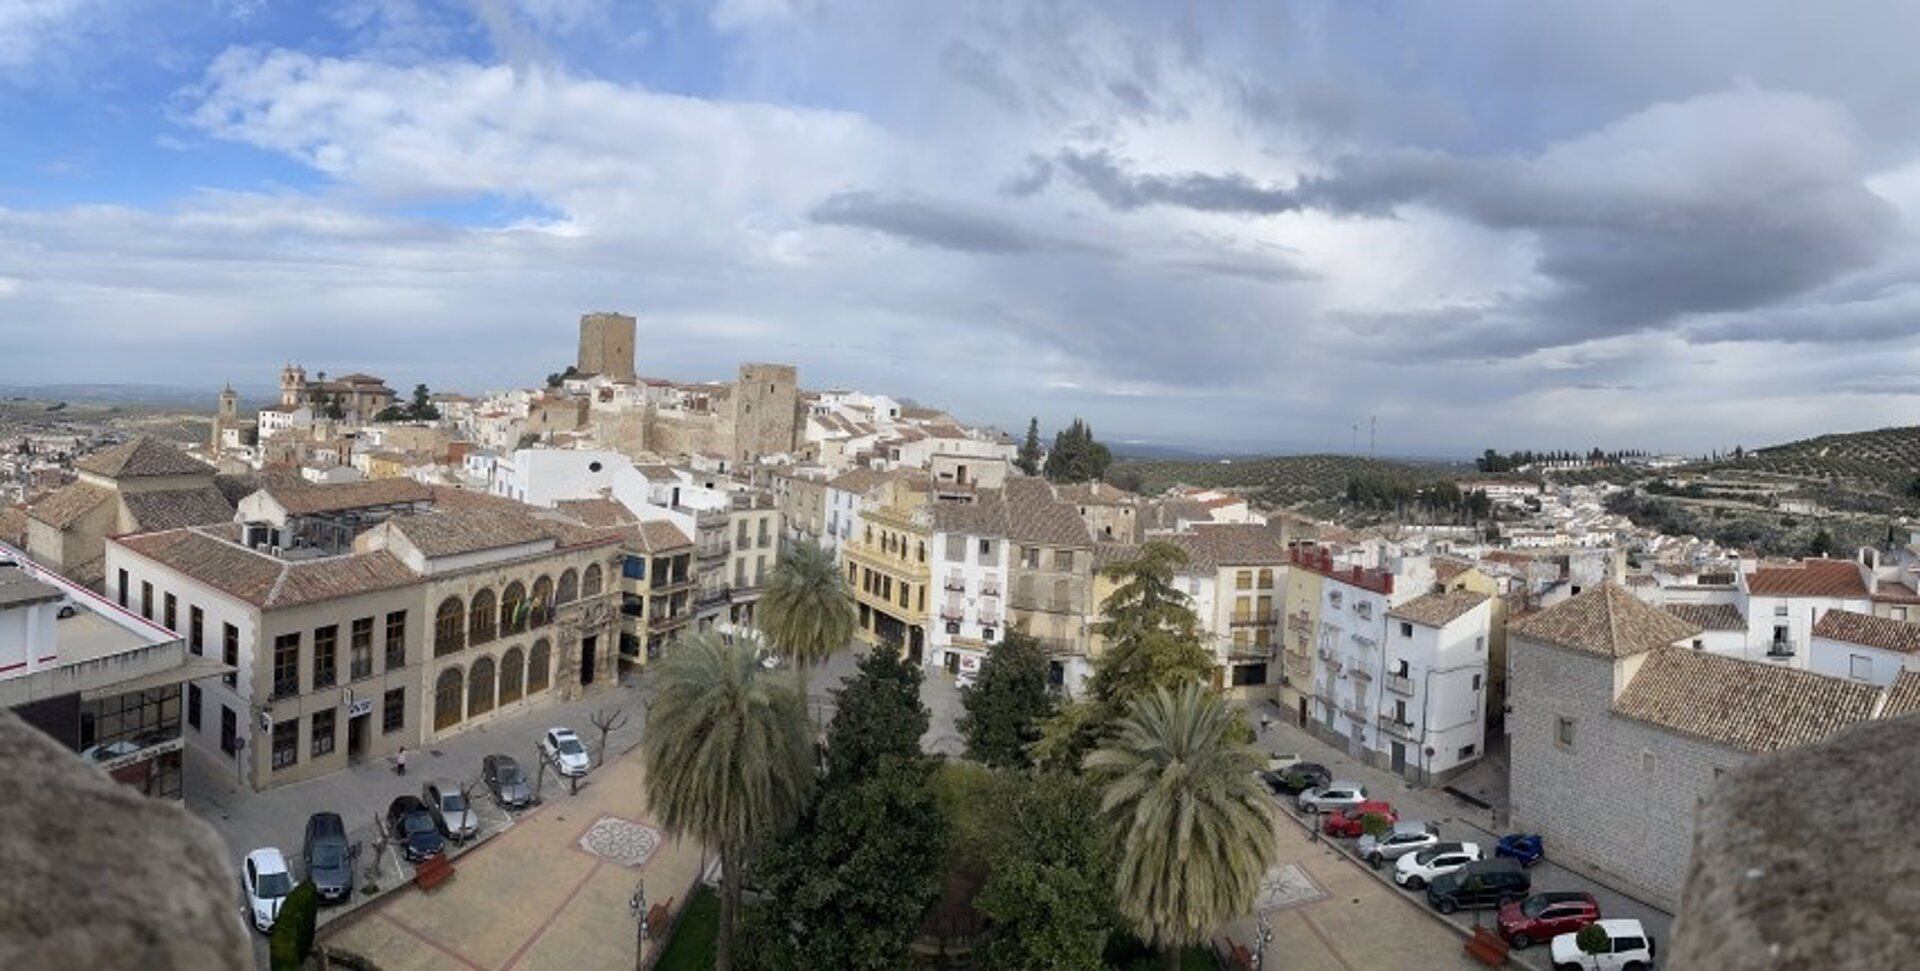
[(1642, 580), (1108, 554), (661, 536), (1035, 515), (450, 532), (985, 517), (1096, 494), (1867, 630), (598, 512), (1445, 569), (1747, 705), (265, 581), (142, 457), (1809, 578), (1210, 547), (1438, 609), (306, 499), (1893, 591), (858, 481), (1606, 620), (1903, 696), (13, 526), (1167, 513), (1709, 616), (64, 506), (177, 507)]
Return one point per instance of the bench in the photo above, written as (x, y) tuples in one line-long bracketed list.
[(432, 872), (1487, 947)]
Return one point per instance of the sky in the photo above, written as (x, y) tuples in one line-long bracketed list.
[(1232, 226)]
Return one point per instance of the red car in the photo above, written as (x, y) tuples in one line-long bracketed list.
[(1544, 916), (1346, 822)]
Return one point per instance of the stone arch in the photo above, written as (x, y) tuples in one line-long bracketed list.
[(480, 687), (569, 589), (542, 612), (513, 602), (513, 676), (449, 695), (449, 627), (590, 581), (480, 617), (539, 666)]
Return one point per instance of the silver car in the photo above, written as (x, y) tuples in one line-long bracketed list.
[(1337, 794), (1406, 837), (451, 813)]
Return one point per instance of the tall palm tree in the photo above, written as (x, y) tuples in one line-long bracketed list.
[(806, 610), (1195, 830), (729, 758)]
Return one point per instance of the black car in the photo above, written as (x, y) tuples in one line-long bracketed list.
[(1298, 778), (1479, 885), (504, 779), (328, 857), (410, 823)]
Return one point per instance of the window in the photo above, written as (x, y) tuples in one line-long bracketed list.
[(1245, 675), (229, 730), (286, 665), (1898, 613), (230, 652), (590, 581), (1406, 629), (123, 588), (513, 672), (448, 690), (396, 639), (538, 660), (1062, 595), (1476, 682), (740, 535), (1563, 732), (1859, 667), (193, 706), (481, 619), (170, 611), (360, 661), (1030, 557), (1698, 643), (146, 600), (1466, 751), (326, 646), (920, 551), (513, 608), (196, 629), (1780, 610), (1243, 580), (480, 687), (956, 548), (542, 612), (986, 634), (322, 731), (286, 743), (393, 711), (1333, 599), (1266, 578), (766, 532), (568, 589), (1063, 560), (449, 627)]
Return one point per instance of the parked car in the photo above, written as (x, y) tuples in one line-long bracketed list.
[(1299, 777), (1407, 836), (1631, 949), (108, 751), (965, 680), (1416, 870), (1479, 885), (1525, 847), (451, 814), (266, 881), (1282, 761), (502, 776), (562, 747), (1332, 796), (1545, 916), (1346, 822), (328, 857), (410, 823)]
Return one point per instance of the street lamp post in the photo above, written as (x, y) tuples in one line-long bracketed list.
[(637, 906), (1260, 943)]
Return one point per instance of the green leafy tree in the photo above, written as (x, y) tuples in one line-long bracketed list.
[(1069, 734), (1029, 457), (1194, 828), (1049, 885), (333, 409), (556, 378), (391, 413), (877, 713), (728, 757), (422, 407), (1821, 544), (1593, 939), (806, 611), (1153, 636), (1375, 825), (1076, 457), (1007, 704), (292, 937)]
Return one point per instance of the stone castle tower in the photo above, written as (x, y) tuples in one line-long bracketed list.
[(293, 385), (606, 345), (766, 405)]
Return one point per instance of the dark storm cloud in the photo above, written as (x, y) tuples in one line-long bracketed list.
[(1101, 175), (926, 224), (1038, 174)]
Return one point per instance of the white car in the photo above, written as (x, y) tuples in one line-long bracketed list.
[(108, 751), (1334, 795), (1630, 949), (562, 747), (267, 882), (1416, 870)]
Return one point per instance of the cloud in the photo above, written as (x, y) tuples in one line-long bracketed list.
[(923, 223), (26, 26), (1234, 193)]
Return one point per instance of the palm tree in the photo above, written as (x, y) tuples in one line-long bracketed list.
[(729, 758), (1195, 830), (806, 610)]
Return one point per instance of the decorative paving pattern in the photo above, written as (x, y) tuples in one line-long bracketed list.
[(620, 841), (1286, 886)]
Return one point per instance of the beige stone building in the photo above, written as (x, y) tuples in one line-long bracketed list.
[(606, 345), (139, 486), (1051, 575), (766, 411), (357, 397)]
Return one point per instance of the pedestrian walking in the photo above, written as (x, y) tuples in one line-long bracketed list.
[(400, 761)]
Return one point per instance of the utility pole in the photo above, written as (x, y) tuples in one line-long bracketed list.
[(1354, 446)]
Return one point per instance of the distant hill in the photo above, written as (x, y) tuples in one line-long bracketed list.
[(1279, 480), (1889, 457)]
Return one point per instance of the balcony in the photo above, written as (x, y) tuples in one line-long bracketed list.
[(708, 554), (668, 622), (989, 589), (951, 612), (1263, 618), (1359, 673), (1400, 684), (1354, 710), (1324, 654), (956, 584), (1780, 650), (664, 586), (1392, 725)]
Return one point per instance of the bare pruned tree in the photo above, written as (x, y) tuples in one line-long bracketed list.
[(608, 721)]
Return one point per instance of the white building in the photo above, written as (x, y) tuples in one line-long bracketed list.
[(1784, 602), (275, 419), (1434, 686), (1860, 647), (969, 563)]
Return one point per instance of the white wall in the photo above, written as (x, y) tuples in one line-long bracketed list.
[(977, 573), (1798, 615), (1835, 658)]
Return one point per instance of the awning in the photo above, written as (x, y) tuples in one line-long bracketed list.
[(193, 670)]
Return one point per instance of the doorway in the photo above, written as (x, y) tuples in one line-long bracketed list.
[(589, 645), (1303, 713), (953, 663), (1399, 757), (357, 737)]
